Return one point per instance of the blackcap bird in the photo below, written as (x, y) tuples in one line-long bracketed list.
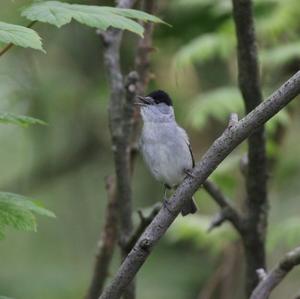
[(164, 145)]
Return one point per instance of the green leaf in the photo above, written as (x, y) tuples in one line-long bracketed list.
[(216, 104), (204, 48), (20, 36), (101, 17), (18, 212), (133, 14), (20, 120)]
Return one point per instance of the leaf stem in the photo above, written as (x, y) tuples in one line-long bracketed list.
[(10, 45)]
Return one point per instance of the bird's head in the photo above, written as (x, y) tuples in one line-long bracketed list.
[(156, 106)]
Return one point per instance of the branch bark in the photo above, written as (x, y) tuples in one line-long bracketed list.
[(107, 242), (256, 203), (142, 61), (123, 121), (142, 67), (144, 222), (275, 277), (120, 124), (219, 150)]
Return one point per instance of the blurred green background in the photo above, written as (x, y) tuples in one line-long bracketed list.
[(64, 164)]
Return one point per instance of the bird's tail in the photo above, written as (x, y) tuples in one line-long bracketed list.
[(189, 207)]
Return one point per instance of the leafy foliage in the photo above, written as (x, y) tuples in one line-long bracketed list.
[(219, 6), (20, 120), (18, 211), (101, 17), (205, 47), (281, 15), (194, 229), (216, 104), (219, 103), (221, 41), (286, 233), (20, 36)]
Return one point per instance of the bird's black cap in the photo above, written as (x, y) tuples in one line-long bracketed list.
[(160, 96)]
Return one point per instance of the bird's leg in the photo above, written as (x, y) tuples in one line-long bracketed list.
[(189, 173), (166, 199), (165, 192)]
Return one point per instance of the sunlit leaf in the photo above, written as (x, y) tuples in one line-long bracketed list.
[(20, 120), (18, 212), (20, 36), (101, 17)]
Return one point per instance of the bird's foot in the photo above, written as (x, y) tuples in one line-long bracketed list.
[(189, 173), (166, 204)]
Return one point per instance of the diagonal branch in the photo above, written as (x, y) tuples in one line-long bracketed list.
[(256, 202), (219, 150), (274, 278)]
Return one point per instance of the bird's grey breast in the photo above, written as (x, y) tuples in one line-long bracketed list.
[(165, 151)]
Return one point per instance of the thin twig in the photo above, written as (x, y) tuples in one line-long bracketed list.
[(256, 203), (219, 219), (275, 277), (142, 67), (219, 150), (107, 242), (145, 220), (261, 273), (233, 119), (228, 211), (10, 45), (142, 61)]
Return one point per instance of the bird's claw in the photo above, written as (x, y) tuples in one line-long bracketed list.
[(166, 205), (189, 173)]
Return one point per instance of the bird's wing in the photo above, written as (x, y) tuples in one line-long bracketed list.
[(186, 138)]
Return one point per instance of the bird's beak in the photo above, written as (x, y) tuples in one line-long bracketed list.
[(142, 101)]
